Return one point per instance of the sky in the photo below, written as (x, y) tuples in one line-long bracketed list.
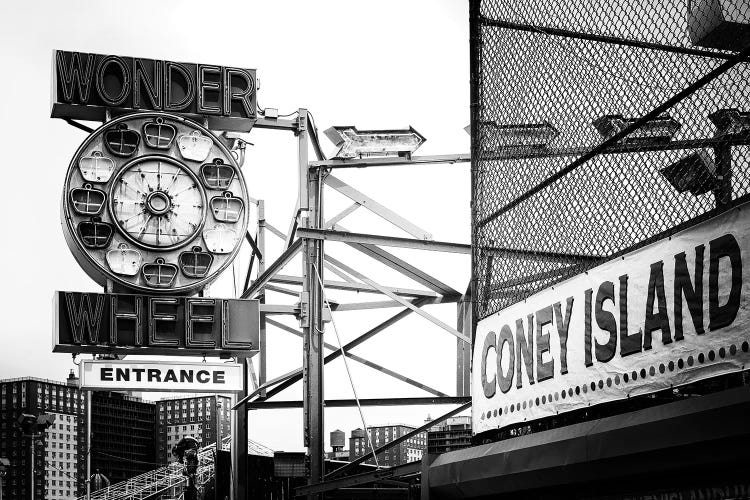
[(378, 64)]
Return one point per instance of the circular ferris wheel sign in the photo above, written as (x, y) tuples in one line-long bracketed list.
[(154, 203)]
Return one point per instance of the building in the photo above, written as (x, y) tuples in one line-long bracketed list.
[(452, 434), (204, 418), (409, 450), (59, 459), (123, 435)]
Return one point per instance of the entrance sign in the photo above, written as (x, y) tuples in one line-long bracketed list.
[(160, 376), (154, 203), (136, 324), (86, 86), (671, 313)]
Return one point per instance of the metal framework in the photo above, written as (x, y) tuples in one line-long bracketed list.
[(308, 232)]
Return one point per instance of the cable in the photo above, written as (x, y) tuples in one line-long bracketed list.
[(64, 472), (346, 365), (128, 459), (262, 111), (314, 138)]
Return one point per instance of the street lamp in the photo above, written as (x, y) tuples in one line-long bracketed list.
[(34, 426)]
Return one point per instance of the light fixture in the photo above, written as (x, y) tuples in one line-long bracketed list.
[(94, 233), (730, 121), (194, 146), (87, 200), (226, 208), (196, 262), (159, 274), (353, 143), (158, 134), (220, 239), (695, 172), (96, 167), (718, 24), (525, 136), (123, 260), (122, 141), (659, 130), (217, 175)]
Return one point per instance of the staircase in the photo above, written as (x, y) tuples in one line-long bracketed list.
[(165, 482)]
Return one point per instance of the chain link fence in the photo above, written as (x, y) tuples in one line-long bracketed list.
[(568, 170)]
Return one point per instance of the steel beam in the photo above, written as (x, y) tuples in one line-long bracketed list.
[(354, 287), (350, 345), (402, 267), (272, 270), (376, 208), (463, 350), (276, 123), (340, 216), (381, 304), (261, 241), (386, 241), (365, 478), (361, 360), (395, 297), (268, 309), (391, 161), (275, 231), (338, 472), (594, 37), (310, 215), (348, 403), (607, 144)]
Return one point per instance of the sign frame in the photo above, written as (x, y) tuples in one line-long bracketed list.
[(87, 86), (226, 344), (667, 314), (143, 369)]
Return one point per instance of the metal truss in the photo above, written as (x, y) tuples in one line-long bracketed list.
[(308, 231), (168, 480)]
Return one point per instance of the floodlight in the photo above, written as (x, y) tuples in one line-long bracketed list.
[(730, 121), (695, 172), (525, 136), (718, 24), (659, 130), (353, 143)]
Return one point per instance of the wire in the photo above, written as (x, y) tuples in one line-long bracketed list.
[(262, 111), (128, 459), (346, 365), (64, 472), (314, 138)]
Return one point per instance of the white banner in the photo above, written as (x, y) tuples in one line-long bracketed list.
[(668, 314), (160, 376)]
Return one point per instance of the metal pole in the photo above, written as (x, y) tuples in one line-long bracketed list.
[(238, 489), (88, 443), (32, 437), (261, 269), (311, 302)]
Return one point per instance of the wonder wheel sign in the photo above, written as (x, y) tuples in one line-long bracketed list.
[(154, 206)]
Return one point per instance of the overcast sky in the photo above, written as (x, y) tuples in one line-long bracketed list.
[(376, 64)]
